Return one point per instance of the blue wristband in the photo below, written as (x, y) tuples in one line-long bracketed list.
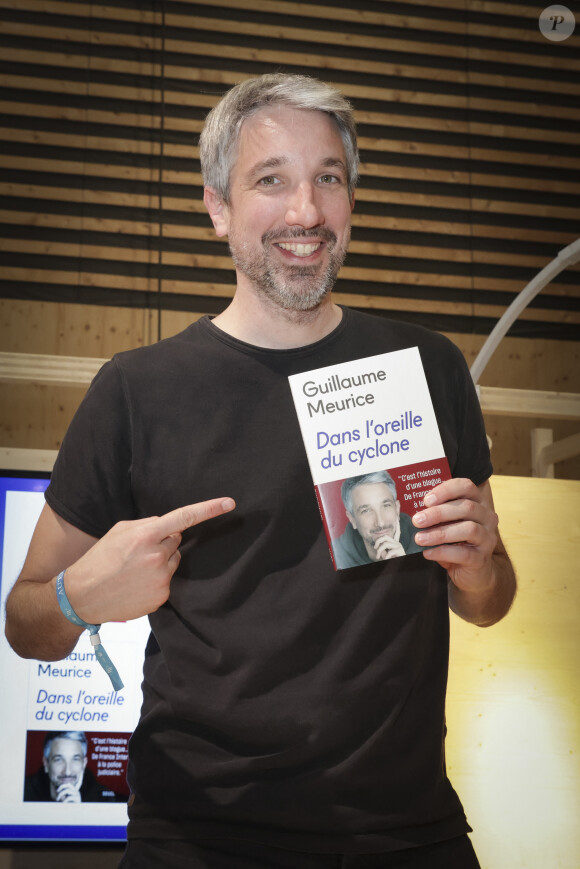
[(93, 630)]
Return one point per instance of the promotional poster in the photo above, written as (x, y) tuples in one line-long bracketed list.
[(64, 729)]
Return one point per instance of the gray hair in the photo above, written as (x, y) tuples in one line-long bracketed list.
[(219, 138), (352, 482), (77, 735)]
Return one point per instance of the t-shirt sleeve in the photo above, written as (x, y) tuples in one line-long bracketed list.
[(91, 482), (472, 459)]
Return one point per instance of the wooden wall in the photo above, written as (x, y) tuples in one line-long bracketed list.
[(513, 740), (469, 133)]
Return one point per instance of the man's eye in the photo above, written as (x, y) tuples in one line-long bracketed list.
[(328, 179), (269, 181)]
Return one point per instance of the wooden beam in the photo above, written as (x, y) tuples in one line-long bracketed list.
[(529, 402), (542, 440), (56, 370), (13, 459), (80, 370), (546, 452), (559, 451)]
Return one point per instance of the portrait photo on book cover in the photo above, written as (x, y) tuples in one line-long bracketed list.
[(73, 766), (365, 521)]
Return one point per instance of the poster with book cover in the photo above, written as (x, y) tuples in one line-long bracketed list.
[(374, 450)]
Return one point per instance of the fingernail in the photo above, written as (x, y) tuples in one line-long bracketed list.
[(419, 519), (429, 499)]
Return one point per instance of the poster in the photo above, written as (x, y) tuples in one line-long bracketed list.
[(67, 731)]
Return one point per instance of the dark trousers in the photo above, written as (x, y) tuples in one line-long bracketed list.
[(237, 854)]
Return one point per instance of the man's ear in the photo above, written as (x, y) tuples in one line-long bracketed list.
[(350, 518), (217, 210), (398, 506)]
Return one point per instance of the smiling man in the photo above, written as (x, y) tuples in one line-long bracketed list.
[(290, 718), (376, 529), (64, 777), (288, 229)]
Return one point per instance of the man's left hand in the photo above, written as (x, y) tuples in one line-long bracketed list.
[(460, 521)]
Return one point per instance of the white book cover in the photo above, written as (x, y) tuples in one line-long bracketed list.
[(371, 416)]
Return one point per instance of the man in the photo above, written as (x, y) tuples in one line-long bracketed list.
[(289, 719), (377, 530), (64, 777)]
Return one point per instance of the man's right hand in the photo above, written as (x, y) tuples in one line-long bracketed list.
[(70, 792), (388, 547), (127, 573), (124, 575)]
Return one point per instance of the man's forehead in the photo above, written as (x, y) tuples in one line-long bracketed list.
[(273, 117), (273, 132)]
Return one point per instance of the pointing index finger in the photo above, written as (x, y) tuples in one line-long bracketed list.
[(179, 520)]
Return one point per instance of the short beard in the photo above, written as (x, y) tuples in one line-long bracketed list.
[(291, 288)]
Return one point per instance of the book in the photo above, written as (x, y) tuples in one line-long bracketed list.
[(370, 416)]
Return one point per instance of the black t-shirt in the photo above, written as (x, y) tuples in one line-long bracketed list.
[(283, 702)]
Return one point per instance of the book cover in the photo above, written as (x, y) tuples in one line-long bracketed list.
[(374, 451)]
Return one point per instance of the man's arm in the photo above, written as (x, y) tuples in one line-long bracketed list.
[(35, 625), (124, 575), (460, 521)]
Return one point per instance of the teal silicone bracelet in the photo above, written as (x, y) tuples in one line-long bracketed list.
[(93, 630)]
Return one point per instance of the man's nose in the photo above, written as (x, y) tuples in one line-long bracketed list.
[(303, 207)]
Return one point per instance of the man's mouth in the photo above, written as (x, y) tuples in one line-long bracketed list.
[(299, 249)]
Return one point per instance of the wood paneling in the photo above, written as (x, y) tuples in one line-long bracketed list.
[(470, 177), (469, 133)]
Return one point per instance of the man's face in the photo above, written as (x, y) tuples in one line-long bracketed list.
[(288, 220), (375, 514), (65, 764)]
